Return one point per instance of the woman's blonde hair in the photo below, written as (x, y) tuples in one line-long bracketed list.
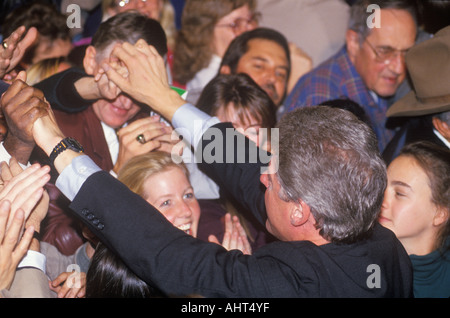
[(43, 69), (134, 173)]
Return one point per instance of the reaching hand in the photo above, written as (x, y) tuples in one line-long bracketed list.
[(106, 88), (21, 105), (40, 210), (69, 285), (25, 189), (234, 237), (16, 48), (146, 80), (155, 136), (13, 246)]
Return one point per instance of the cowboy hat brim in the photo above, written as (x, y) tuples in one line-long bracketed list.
[(409, 105)]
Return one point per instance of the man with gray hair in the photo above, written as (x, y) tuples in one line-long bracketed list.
[(369, 68), (321, 197)]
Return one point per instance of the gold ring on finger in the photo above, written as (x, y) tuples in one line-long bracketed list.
[(141, 139)]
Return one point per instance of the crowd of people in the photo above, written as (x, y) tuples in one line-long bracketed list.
[(209, 151)]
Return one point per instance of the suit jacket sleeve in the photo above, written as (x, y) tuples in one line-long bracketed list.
[(237, 174), (176, 262), (156, 251), (60, 92)]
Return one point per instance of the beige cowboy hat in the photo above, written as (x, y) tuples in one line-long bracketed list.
[(428, 65)]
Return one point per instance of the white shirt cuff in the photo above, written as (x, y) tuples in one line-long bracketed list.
[(5, 156), (191, 123), (33, 259), (73, 176)]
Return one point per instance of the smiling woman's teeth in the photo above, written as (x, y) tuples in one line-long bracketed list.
[(185, 227)]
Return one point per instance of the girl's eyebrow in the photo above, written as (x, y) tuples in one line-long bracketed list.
[(401, 183)]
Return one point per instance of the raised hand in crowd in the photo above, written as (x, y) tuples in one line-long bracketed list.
[(147, 77), (69, 285), (40, 210), (25, 189), (13, 49), (13, 245), (155, 135), (234, 236), (21, 105), (19, 196)]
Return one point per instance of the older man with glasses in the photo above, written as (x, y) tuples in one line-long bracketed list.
[(370, 67)]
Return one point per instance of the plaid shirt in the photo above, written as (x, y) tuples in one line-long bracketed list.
[(338, 78)]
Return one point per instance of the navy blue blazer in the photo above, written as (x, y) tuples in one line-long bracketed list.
[(179, 264)]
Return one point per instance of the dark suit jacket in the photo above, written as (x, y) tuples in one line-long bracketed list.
[(182, 265)]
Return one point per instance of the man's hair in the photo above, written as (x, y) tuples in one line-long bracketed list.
[(130, 26), (329, 159), (239, 46), (359, 13)]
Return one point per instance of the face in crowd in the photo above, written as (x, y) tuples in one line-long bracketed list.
[(380, 58), (172, 194), (114, 113)]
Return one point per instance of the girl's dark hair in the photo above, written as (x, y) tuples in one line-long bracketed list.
[(243, 93), (109, 277), (435, 161)]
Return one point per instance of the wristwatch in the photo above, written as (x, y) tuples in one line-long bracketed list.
[(66, 143)]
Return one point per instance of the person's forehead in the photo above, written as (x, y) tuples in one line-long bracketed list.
[(260, 44), (266, 50), (397, 28)]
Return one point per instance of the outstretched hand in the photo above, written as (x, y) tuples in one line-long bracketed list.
[(146, 80), (21, 105), (156, 136), (234, 237), (17, 44), (13, 245), (24, 190)]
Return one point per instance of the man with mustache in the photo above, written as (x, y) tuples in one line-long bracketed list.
[(369, 68)]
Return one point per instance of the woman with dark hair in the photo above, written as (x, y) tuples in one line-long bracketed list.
[(239, 100), (236, 98), (416, 208), (109, 277)]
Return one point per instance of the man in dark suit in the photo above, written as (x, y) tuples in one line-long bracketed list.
[(425, 111), (323, 190)]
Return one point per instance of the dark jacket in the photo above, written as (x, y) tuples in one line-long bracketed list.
[(182, 265)]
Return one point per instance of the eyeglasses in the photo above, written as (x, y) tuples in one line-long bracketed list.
[(386, 54), (241, 25)]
